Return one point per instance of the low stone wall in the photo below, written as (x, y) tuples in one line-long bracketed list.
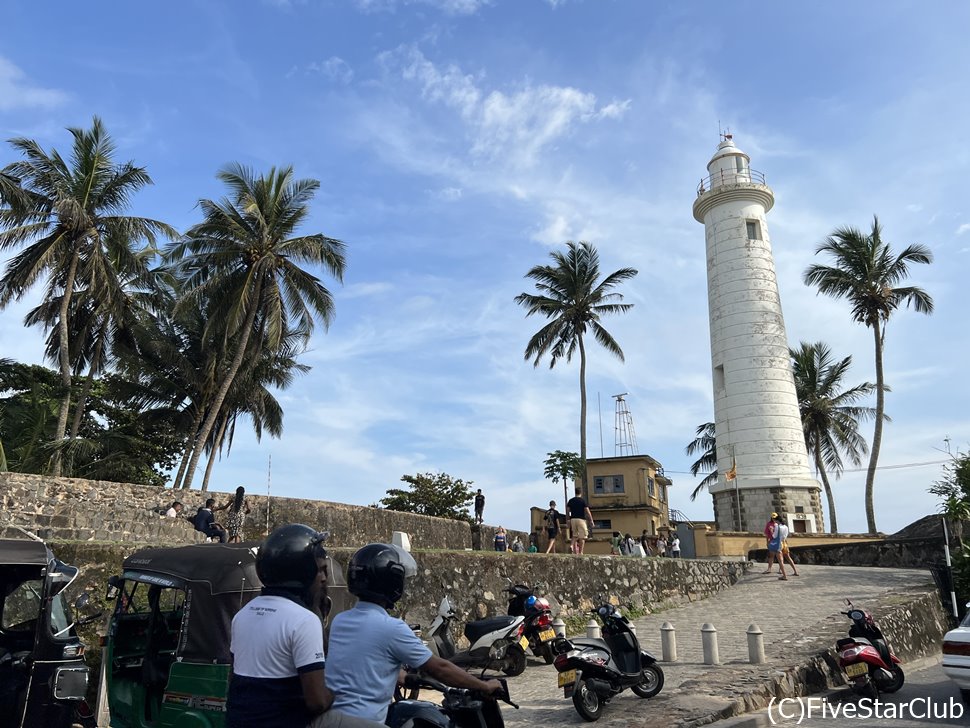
[(913, 553), (474, 580), (72, 509)]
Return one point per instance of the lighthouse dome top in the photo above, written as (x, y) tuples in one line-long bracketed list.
[(727, 148)]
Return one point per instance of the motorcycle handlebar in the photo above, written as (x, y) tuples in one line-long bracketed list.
[(422, 682)]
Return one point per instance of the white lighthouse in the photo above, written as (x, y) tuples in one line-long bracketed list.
[(759, 432)]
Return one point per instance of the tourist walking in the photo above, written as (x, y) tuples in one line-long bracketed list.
[(675, 547), (785, 553), (661, 546), (579, 517), (237, 508), (774, 548), (551, 518)]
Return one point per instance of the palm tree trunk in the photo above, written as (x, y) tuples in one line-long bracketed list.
[(65, 362), (216, 405), (877, 430), (216, 446), (582, 413), (833, 520), (187, 455), (86, 389)]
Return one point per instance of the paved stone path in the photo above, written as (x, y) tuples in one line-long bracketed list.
[(790, 613)]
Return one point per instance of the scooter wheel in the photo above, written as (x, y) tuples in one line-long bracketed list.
[(587, 703), (514, 661), (897, 682), (651, 684), (545, 652)]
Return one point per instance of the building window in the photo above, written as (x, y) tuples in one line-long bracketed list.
[(603, 523), (799, 509), (739, 161), (607, 484), (754, 229), (663, 493), (719, 377), (651, 486)]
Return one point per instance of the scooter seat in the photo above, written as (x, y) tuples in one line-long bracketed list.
[(477, 629)]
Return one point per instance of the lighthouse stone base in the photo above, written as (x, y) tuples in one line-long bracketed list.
[(799, 506)]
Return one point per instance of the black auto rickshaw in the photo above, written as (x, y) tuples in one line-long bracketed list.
[(166, 658), (43, 676)]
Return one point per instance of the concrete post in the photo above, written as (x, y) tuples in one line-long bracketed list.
[(668, 642), (593, 629), (756, 645), (709, 643), (559, 627)]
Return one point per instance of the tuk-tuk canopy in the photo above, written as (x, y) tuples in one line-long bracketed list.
[(224, 568), (15, 551), (218, 580)]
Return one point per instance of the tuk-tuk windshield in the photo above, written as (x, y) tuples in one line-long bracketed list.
[(23, 605)]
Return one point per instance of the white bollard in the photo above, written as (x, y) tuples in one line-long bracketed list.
[(668, 642), (399, 538), (559, 627), (756, 645), (709, 643), (593, 629)]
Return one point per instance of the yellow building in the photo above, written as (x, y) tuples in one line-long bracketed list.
[(626, 494)]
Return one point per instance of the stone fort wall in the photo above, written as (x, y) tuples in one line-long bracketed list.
[(72, 509)]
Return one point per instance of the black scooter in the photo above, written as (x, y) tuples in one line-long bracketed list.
[(593, 671), (460, 708)]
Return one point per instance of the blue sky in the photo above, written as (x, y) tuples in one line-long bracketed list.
[(459, 141)]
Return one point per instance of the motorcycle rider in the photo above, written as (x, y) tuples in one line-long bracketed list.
[(368, 647), (277, 650)]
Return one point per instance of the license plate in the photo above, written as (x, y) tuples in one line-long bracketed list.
[(524, 642), (567, 678), (547, 634), (857, 669)]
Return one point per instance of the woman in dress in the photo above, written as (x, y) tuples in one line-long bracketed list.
[(236, 516)]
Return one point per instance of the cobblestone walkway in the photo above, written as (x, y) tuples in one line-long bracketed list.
[(790, 613)]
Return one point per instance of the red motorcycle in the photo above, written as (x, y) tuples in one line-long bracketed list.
[(869, 664), (537, 627)]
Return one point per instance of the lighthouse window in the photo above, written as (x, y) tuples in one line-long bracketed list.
[(754, 230), (739, 161)]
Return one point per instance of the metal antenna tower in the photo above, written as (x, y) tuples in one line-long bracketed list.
[(626, 436)]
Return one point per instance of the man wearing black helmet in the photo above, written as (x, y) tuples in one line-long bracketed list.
[(277, 640), (368, 647)]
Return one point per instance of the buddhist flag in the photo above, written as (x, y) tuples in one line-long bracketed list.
[(733, 472)]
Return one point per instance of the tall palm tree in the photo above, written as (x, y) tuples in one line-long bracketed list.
[(829, 414), (64, 213), (705, 444), (574, 299), (244, 260), (865, 271)]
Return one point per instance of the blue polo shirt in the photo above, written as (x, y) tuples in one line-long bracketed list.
[(367, 649)]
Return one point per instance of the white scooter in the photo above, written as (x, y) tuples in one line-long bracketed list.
[(496, 642)]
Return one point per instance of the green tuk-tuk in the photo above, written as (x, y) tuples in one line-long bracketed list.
[(166, 658), (43, 678)]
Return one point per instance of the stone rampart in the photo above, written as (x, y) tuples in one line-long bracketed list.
[(72, 509)]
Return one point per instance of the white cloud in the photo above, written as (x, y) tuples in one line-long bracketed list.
[(16, 92), (965, 227), (449, 7), (515, 126), (334, 68)]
